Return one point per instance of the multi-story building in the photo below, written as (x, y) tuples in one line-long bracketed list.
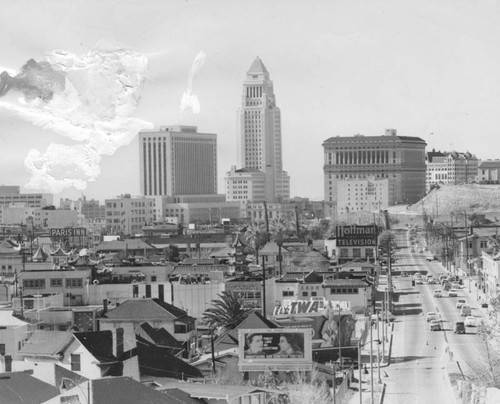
[(398, 159), (260, 139), (178, 160), (489, 171), (128, 215), (244, 185), (187, 209), (91, 209), (11, 194), (450, 168), (39, 217), (356, 195)]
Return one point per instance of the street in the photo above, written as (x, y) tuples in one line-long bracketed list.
[(421, 359)]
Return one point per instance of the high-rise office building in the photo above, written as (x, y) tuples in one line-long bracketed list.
[(260, 134), (398, 159), (178, 160)]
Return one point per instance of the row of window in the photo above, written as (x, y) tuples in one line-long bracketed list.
[(344, 291), (54, 283)]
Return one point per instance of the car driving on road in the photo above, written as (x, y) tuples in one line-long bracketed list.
[(453, 293), (438, 293), (460, 303), (459, 327), (435, 325), (431, 316), (471, 321)]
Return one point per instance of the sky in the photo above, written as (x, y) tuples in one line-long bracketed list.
[(429, 69)]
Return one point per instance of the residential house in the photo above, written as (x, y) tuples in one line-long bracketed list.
[(13, 334), (11, 260), (491, 274), (117, 390), (89, 354), (128, 316), (23, 388)]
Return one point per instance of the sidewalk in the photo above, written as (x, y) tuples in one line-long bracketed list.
[(378, 388)]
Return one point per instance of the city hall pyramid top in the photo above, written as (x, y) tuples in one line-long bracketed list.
[(257, 67)]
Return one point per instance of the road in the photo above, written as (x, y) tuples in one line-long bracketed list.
[(420, 358)]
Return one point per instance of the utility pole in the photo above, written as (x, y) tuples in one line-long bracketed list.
[(467, 248), (339, 334), (371, 360), (360, 374), (263, 287)]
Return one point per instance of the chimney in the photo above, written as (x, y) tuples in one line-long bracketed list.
[(119, 342), (104, 306)]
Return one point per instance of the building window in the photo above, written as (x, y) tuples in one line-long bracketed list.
[(287, 293), (56, 283), (2, 349), (344, 252), (75, 362), (305, 294), (34, 283), (356, 252), (74, 283), (153, 278), (180, 328), (314, 293)]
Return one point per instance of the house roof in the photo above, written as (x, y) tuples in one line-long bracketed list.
[(122, 245), (295, 276), (197, 269), (40, 254), (178, 396), (145, 309), (158, 336), (357, 263), (159, 361), (46, 343), (270, 248), (8, 320), (9, 248), (120, 390), (98, 343), (59, 253), (215, 391), (22, 388), (346, 283), (489, 164), (62, 374)]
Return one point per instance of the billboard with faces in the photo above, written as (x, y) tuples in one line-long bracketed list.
[(275, 349)]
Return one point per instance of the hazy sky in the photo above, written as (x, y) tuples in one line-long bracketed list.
[(426, 68)]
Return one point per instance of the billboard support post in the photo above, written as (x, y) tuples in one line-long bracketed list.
[(263, 287), (360, 374)]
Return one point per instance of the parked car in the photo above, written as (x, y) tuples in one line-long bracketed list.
[(465, 310), (471, 321), (459, 327), (438, 293), (460, 303), (453, 293), (446, 287), (430, 257), (435, 325), (347, 363), (431, 316)]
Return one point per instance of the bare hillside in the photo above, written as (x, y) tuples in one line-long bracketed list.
[(457, 198)]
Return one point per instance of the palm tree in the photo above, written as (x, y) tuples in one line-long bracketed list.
[(257, 237), (226, 312), (279, 229)]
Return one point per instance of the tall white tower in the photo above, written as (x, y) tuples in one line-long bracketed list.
[(260, 132)]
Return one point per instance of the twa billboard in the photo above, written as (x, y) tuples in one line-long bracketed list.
[(356, 236), (275, 349)]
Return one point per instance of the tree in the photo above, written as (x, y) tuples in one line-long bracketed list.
[(386, 240), (172, 253), (226, 312), (255, 234)]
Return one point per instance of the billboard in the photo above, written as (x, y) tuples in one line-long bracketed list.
[(356, 236), (68, 232), (275, 349)]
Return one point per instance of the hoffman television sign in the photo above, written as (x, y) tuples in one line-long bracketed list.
[(357, 236)]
